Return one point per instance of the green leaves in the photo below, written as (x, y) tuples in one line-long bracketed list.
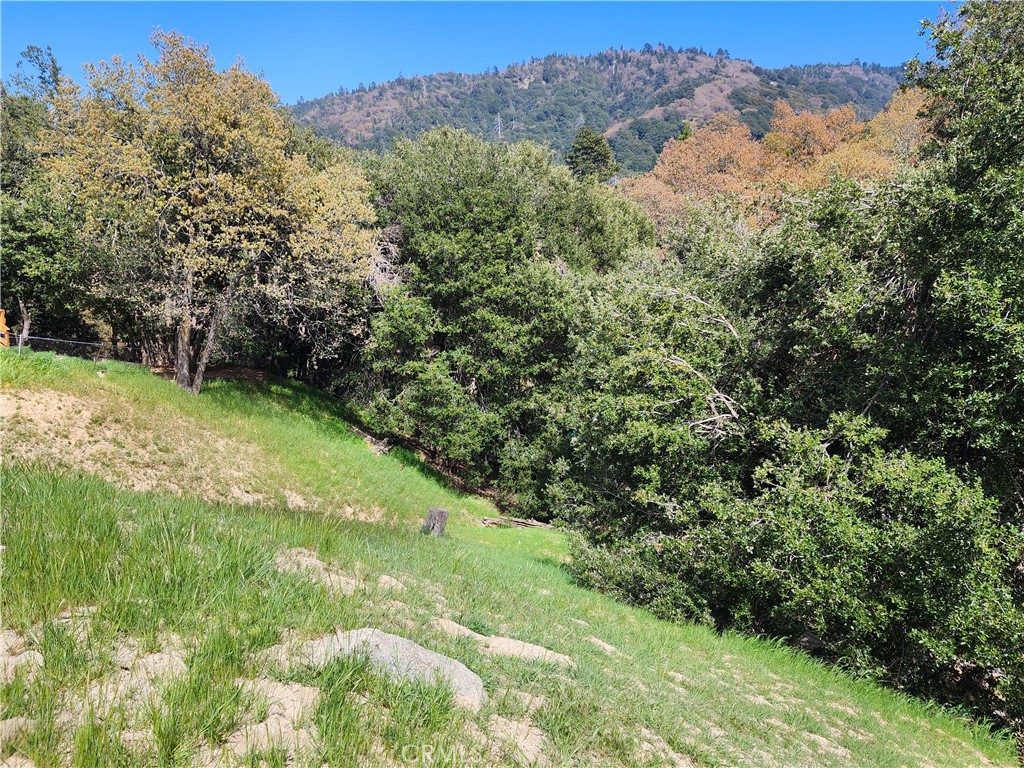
[(195, 200), (467, 348), (870, 492)]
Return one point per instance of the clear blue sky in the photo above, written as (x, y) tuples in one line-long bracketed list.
[(309, 49)]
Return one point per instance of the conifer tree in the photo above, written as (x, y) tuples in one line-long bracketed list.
[(590, 156)]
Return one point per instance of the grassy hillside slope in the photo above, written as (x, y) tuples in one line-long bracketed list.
[(141, 522)]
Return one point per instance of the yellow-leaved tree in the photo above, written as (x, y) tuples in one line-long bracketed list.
[(195, 197)]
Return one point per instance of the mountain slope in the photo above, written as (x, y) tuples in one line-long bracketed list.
[(639, 99), (97, 575)]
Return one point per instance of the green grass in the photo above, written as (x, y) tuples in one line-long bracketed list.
[(154, 565), (275, 438)]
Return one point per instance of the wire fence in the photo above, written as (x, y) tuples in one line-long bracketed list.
[(87, 349)]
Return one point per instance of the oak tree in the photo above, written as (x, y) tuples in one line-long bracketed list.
[(192, 198)]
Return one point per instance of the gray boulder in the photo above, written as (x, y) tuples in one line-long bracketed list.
[(390, 655)]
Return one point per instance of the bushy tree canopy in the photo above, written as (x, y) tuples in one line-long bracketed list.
[(190, 197), (485, 240)]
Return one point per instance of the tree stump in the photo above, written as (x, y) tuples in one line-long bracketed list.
[(437, 518)]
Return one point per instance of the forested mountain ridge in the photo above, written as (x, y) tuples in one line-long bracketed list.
[(639, 99)]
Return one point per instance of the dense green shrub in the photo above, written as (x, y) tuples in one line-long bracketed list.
[(635, 413), (486, 241), (881, 560), (853, 314), (869, 499)]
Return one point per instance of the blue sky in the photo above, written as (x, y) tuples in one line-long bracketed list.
[(308, 49)]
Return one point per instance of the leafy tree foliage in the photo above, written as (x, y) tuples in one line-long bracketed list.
[(883, 559), (42, 265), (475, 331), (859, 490), (867, 498), (190, 198), (636, 409), (801, 151)]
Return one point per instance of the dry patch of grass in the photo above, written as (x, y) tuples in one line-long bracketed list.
[(136, 449), (109, 438), (265, 443)]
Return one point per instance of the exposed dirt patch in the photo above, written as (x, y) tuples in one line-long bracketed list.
[(138, 680), (111, 440), (527, 701), (294, 500), (390, 583), (606, 647), (141, 742), (16, 761), (14, 728), (16, 656), (288, 725), (525, 739), (133, 690), (76, 622), (365, 514), (827, 745), (303, 561), (843, 708), (114, 439), (653, 747), (504, 646)]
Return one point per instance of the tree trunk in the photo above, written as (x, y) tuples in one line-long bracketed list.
[(183, 354), (26, 321), (209, 342)]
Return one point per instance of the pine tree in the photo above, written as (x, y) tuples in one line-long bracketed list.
[(590, 156)]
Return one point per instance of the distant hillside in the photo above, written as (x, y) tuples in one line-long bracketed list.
[(638, 98)]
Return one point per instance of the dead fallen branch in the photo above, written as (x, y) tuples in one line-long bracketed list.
[(512, 522)]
